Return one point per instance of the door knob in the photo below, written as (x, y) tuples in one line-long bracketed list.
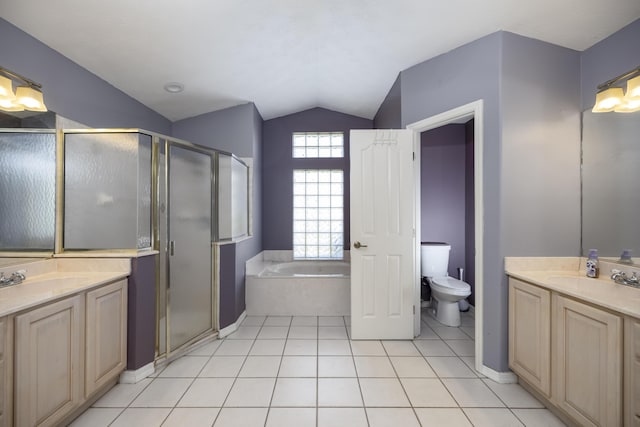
[(359, 245)]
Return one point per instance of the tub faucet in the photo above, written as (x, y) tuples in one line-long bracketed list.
[(621, 278)]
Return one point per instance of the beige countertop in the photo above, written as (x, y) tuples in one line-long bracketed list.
[(565, 276), (54, 279)]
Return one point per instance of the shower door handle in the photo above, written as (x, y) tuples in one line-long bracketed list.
[(172, 247), (359, 245)]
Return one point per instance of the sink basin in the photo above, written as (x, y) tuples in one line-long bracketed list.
[(65, 281), (576, 280)]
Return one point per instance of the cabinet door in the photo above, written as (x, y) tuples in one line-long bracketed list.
[(588, 376), (632, 372), (530, 334), (106, 343), (6, 377), (48, 362)]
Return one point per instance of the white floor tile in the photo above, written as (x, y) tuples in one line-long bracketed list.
[(184, 367), (400, 348), (260, 367), (427, 392), (234, 348), (121, 395), (383, 392), (298, 366), (374, 367), (336, 366), (291, 417), (462, 347), (273, 332), (223, 366), (433, 348), (241, 417), (147, 417), (470, 331), (492, 417), (392, 417), (438, 417), (426, 333), (192, 417), (334, 348), (513, 395), (206, 349), (96, 417), (304, 321), (292, 392), (412, 367), (342, 417), (253, 320), (331, 321), (267, 348), (347, 320), (449, 333), (277, 321), (538, 417), (206, 393), (450, 367), (335, 392), (367, 348), (301, 348), (471, 393), (244, 333), (303, 332), (471, 363), (251, 392), (162, 393), (332, 332)]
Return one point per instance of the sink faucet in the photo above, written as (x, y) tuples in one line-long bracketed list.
[(16, 278), (621, 278)]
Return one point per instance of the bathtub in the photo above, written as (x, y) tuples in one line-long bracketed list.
[(299, 288)]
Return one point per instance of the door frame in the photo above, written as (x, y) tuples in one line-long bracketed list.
[(472, 110)]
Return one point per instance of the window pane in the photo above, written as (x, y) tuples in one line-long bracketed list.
[(298, 201), (324, 140), (312, 151), (299, 152), (318, 144)]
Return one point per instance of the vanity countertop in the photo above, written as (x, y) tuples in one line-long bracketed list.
[(573, 282), (53, 279)]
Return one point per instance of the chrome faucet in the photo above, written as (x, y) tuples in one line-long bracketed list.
[(16, 278), (621, 278)]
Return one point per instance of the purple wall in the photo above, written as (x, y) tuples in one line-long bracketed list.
[(607, 59), (72, 91), (389, 115), (141, 312), (278, 166)]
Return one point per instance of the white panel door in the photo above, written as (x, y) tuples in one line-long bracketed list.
[(382, 234)]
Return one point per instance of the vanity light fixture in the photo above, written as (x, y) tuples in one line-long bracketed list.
[(28, 95), (613, 98)]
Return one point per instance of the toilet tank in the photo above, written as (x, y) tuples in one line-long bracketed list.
[(434, 259)]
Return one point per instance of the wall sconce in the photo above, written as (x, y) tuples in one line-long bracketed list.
[(612, 98), (28, 96)]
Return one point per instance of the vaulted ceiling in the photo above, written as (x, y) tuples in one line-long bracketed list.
[(288, 55)]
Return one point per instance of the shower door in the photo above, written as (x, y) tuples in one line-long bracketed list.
[(188, 244)]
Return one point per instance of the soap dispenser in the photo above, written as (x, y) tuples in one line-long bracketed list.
[(625, 258), (593, 269)]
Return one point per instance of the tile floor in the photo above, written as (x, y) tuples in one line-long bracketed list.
[(304, 371)]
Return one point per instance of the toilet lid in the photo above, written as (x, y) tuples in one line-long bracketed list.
[(451, 285)]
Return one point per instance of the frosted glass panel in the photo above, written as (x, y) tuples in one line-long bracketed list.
[(225, 230), (27, 191), (144, 191), (239, 198), (101, 196)]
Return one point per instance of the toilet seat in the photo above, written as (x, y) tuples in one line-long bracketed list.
[(450, 286)]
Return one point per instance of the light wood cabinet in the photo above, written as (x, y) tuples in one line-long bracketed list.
[(632, 372), (530, 334), (587, 362), (49, 362), (106, 335), (6, 372)]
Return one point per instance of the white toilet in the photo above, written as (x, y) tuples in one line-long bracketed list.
[(445, 290)]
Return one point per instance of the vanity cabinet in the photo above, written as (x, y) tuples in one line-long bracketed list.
[(632, 372), (6, 358), (49, 362), (587, 360), (530, 334)]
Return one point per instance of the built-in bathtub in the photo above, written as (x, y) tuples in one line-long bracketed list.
[(281, 287)]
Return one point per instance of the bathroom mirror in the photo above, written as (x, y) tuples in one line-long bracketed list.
[(611, 183)]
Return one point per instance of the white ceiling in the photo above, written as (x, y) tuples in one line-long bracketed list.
[(288, 55)]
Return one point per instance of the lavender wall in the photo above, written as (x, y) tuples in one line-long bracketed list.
[(389, 115), (141, 312), (607, 59), (71, 90), (278, 166)]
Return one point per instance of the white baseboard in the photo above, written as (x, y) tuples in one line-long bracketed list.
[(132, 377), (499, 377), (232, 327)]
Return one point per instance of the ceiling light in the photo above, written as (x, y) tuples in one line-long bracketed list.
[(174, 87), (612, 98), (28, 95)]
